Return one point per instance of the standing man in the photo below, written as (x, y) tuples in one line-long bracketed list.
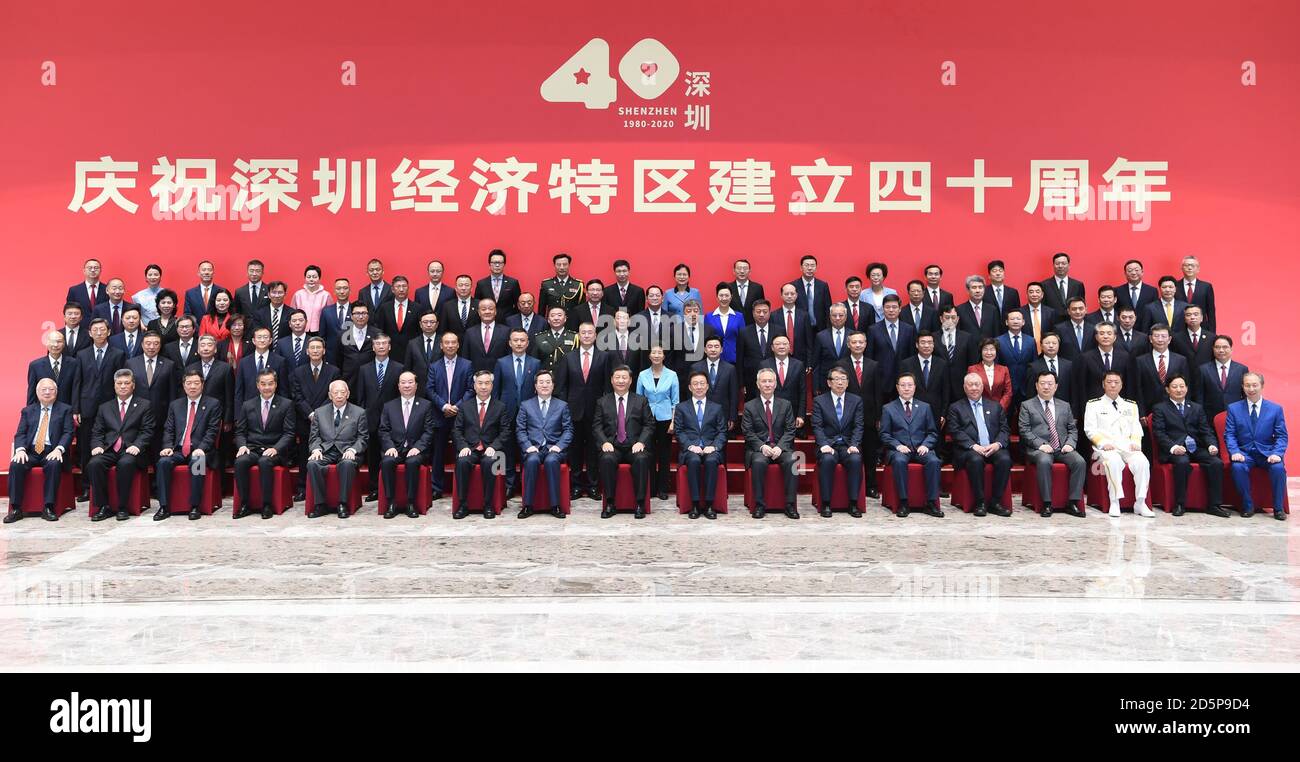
[(790, 378), (58, 366), (513, 381), (935, 294), (1221, 379), (376, 387), (754, 345), (376, 290), (910, 432), (919, 312), (460, 313), (1113, 426), (1193, 290), (1059, 289), (338, 438), (1134, 293), (502, 289), (864, 381), (551, 345), (1004, 298), (450, 386), (623, 293), (744, 292), (526, 317), (891, 341), (198, 300), (1255, 437), (252, 366), (334, 317), (562, 290), (356, 344), (813, 294), (1167, 310), (309, 388), (1039, 318), (113, 306), (273, 315), (488, 341), (1184, 436), (400, 318), (1153, 369), (1077, 335), (252, 296), (90, 293), (97, 364), (831, 345), (422, 351), (189, 439), (972, 316), (583, 377), (436, 293)]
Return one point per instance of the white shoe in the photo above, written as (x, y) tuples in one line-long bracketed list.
[(1114, 510), (1142, 510)]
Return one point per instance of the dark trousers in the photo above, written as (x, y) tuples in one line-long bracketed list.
[(852, 462), (870, 451), (373, 457), (662, 446), (973, 463), (488, 468), (198, 468), (265, 474), (1276, 477), (438, 459), (758, 465), (609, 463), (52, 469), (930, 465), (534, 461), (316, 470), (98, 467), (1042, 463), (1211, 466), (582, 455), (388, 472), (701, 475), (84, 432)]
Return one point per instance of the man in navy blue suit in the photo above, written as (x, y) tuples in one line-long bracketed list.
[(1220, 384), (543, 432), (526, 317), (262, 358), (981, 436), (112, 308), (512, 383), (129, 338), (724, 381), (809, 286), (449, 387), (701, 429), (837, 421), (405, 433), (890, 341), (831, 345), (794, 324), (910, 432), (43, 437), (334, 317), (293, 346), (1016, 350), (198, 300), (973, 316), (435, 293), (376, 291), (189, 439), (1134, 293), (90, 293), (1255, 437)]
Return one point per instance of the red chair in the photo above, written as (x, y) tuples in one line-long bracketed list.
[(34, 491), (840, 491), (423, 495), (136, 498), (1162, 481), (1097, 494), (474, 498), (624, 491), (1029, 496), (179, 499), (541, 494), (719, 495), (962, 497), (281, 486), (332, 492), (915, 487), (774, 489), (1260, 487)]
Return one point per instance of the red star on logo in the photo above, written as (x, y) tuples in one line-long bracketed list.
[(581, 76)]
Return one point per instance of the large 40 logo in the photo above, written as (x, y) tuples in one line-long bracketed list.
[(648, 69)]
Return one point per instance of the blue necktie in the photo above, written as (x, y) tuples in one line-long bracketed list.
[(1254, 415), (519, 373), (713, 374), (260, 367), (1189, 441), (839, 409), (837, 344), (893, 338), (925, 372), (699, 415), (977, 409), (379, 372)]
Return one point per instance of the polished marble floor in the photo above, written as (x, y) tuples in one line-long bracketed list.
[(661, 593)]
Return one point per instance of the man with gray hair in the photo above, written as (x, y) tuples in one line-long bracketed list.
[(44, 435), (975, 317), (120, 436), (337, 438)]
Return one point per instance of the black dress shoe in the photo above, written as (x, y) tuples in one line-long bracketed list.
[(791, 512), (14, 514), (317, 512), (48, 514), (854, 511), (391, 512), (575, 493), (825, 512), (606, 511), (241, 512), (1046, 512), (557, 512), (84, 497), (343, 510), (1247, 513), (268, 512), (694, 513), (661, 495), (979, 510), (903, 510), (593, 493), (759, 513), (1076, 512), (372, 496), (873, 493), (639, 513), (460, 513), (1177, 511), (1215, 510), (123, 514), (412, 512), (300, 496), (488, 513), (998, 510), (104, 512), (710, 514), (194, 514), (934, 510), (437, 495), (525, 512), (161, 513), (1279, 515)]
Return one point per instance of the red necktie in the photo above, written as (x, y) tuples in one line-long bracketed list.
[(401, 315), (482, 414), (595, 315), (1189, 293), (121, 416), (189, 427), (92, 290), (1161, 369), (780, 372), (857, 364), (586, 364), (975, 306), (487, 336), (855, 314), (789, 329), (1223, 376)]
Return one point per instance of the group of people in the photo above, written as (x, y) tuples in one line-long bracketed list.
[(598, 374)]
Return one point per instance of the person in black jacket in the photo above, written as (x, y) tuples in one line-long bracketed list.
[(376, 386), (582, 378), (122, 431), (623, 428), (189, 439), (480, 434), (1183, 436), (263, 436)]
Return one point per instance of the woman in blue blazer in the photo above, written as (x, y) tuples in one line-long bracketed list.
[(682, 292), (658, 384), (727, 322)]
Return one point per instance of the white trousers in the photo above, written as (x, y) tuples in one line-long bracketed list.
[(1114, 462)]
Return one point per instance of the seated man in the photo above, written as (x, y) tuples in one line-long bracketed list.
[(544, 431), (1255, 435), (623, 428), (769, 425), (909, 431), (701, 428), (189, 439), (1184, 436), (337, 438), (405, 434), (480, 434), (1048, 434), (980, 436), (1111, 423), (837, 420), (43, 437), (264, 429), (122, 430)]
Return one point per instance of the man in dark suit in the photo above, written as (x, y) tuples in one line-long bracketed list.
[(831, 345), (308, 387), (339, 432), (75, 334), (624, 427), (1049, 434), (583, 377), (198, 300), (356, 344), (1059, 289), (1130, 339), (790, 383), (189, 439), (122, 431), (1221, 379), (128, 340), (251, 296), (43, 438), (959, 348), (89, 293), (972, 317), (449, 387), (932, 374), (460, 313), (185, 346), (690, 334), (592, 309), (292, 347), (261, 358), (809, 287), (376, 290), (502, 289), (1092, 366), (376, 387), (1004, 298), (754, 344), (864, 382), (1194, 343), (422, 351), (861, 314), (480, 434), (909, 429), (97, 364), (890, 341), (58, 365), (1192, 290), (1016, 351), (724, 381), (1133, 292), (768, 425), (837, 421), (488, 341), (513, 380), (981, 436), (1077, 335), (1051, 361), (795, 325), (274, 315), (744, 292), (114, 307), (919, 312), (400, 317), (405, 433), (1107, 310), (1166, 310), (1153, 369), (935, 294), (623, 293), (526, 317), (1183, 436), (334, 317), (701, 431), (263, 435), (1039, 318), (156, 380), (543, 431), (435, 293)]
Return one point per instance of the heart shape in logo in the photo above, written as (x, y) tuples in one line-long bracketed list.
[(649, 68)]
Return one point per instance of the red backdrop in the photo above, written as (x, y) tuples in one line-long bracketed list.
[(791, 82)]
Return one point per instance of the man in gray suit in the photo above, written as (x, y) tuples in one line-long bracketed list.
[(1049, 435), (338, 437)]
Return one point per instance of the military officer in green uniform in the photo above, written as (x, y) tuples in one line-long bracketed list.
[(562, 291), (550, 345)]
